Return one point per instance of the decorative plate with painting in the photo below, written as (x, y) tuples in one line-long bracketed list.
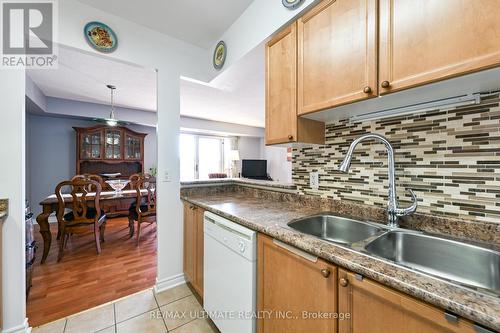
[(100, 37), (292, 4), (220, 55)]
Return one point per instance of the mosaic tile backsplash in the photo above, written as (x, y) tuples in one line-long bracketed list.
[(450, 158)]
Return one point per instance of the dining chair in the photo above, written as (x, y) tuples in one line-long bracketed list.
[(82, 213), (134, 178), (144, 208), (97, 178), (217, 175)]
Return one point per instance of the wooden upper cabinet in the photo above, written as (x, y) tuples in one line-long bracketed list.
[(428, 40), (289, 283), (282, 122), (337, 54), (281, 87), (377, 309)]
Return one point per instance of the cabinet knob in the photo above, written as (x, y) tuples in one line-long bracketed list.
[(325, 272), (367, 90), (385, 84), (290, 137), (343, 282)]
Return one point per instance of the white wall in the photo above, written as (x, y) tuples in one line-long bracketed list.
[(219, 127), (259, 21), (12, 137), (51, 153), (139, 45), (278, 167), (172, 58), (249, 148)]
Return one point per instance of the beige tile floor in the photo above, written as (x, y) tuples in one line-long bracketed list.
[(175, 310)]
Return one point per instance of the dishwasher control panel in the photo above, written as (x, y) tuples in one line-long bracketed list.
[(236, 237)]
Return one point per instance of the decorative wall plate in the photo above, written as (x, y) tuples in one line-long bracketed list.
[(100, 37), (292, 4), (219, 55)]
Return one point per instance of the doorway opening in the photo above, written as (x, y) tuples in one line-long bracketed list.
[(76, 125)]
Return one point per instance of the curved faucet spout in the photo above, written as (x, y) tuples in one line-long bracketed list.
[(393, 210), (346, 163)]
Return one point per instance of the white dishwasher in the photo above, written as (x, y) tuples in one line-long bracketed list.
[(229, 274)]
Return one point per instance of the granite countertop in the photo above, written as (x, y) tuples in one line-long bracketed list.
[(4, 209), (240, 181), (271, 217)]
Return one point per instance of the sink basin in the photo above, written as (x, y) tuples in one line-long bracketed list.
[(461, 262), (335, 229)]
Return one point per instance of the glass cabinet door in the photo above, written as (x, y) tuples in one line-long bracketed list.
[(132, 147), (113, 144), (91, 145)]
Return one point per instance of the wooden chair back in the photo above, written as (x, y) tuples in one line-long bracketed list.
[(134, 178), (148, 183), (96, 178), (79, 189)]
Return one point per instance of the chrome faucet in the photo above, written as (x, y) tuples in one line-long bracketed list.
[(393, 211)]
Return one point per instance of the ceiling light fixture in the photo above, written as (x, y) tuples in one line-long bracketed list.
[(111, 121)]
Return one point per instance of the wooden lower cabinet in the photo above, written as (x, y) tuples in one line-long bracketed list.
[(193, 247), (199, 252), (293, 288), (375, 308)]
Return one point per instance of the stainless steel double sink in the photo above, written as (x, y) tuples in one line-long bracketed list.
[(467, 264)]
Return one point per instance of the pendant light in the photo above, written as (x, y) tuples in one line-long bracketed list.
[(112, 121)]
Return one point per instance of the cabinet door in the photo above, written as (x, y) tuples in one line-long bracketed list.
[(91, 146), (199, 252), (281, 88), (113, 144), (377, 309), (429, 40), (189, 242), (133, 147), (294, 284), (337, 54)]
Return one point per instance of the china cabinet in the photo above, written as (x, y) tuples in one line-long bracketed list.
[(109, 150)]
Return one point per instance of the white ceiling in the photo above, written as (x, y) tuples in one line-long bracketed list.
[(84, 76), (236, 96), (194, 21)]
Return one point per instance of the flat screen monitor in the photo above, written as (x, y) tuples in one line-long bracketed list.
[(254, 169)]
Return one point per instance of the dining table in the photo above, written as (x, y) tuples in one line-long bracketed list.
[(50, 205)]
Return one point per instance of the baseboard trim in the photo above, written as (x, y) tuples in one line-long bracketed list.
[(170, 282), (23, 328)]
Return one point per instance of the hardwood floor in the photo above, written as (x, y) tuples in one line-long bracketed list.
[(83, 279)]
